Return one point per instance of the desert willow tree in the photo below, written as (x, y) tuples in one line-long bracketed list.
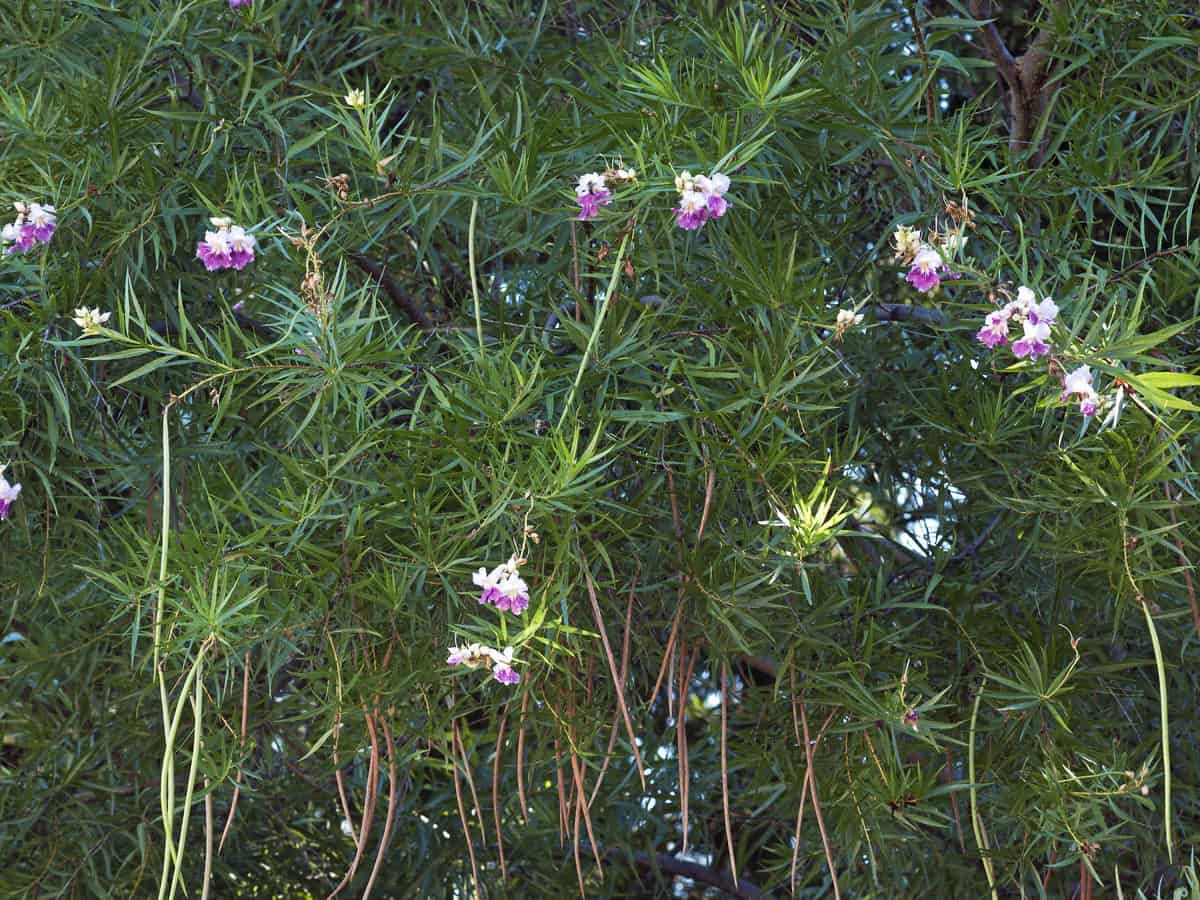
[(527, 449)]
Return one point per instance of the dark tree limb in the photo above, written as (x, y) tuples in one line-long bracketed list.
[(1026, 77), (903, 312), (405, 302), (665, 864)]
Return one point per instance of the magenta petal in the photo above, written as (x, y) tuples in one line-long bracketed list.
[(991, 337), (506, 675), (4, 507), (717, 206), (239, 258), (691, 221), (923, 281)]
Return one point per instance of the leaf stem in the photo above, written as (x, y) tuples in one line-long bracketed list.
[(612, 284)]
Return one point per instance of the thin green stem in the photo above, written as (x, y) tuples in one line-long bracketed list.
[(591, 344), (976, 824), (167, 789), (165, 785), (197, 714), (1166, 731), (474, 279)]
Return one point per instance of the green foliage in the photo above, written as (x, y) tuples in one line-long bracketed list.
[(280, 480)]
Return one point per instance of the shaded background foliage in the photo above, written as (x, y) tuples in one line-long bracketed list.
[(958, 545)]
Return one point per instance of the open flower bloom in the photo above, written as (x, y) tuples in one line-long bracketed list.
[(714, 188), (692, 211), (90, 320), (1036, 341), (228, 247), (995, 328), (8, 493), (470, 655), (927, 269), (355, 98), (514, 594), (241, 247), (34, 224), (701, 197), (1079, 383), (475, 655), (907, 242), (591, 193), (488, 583), (503, 587), (1044, 312), (846, 319)]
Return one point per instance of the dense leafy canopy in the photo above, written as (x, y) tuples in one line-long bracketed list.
[(253, 501)]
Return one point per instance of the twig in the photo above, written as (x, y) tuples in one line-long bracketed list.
[(809, 751), (612, 735), (208, 841), (237, 785), (405, 301), (1161, 254), (521, 761), (381, 850), (612, 667), (976, 822), (462, 817), (930, 111), (368, 805), (462, 747), (496, 792), (581, 805), (725, 767)]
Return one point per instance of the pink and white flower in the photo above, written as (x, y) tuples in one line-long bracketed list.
[(701, 197), (474, 655), (1035, 342), (34, 224), (995, 328), (503, 587), (927, 270), (591, 193), (226, 247), (238, 4), (8, 494), (1079, 384), (692, 211), (714, 188)]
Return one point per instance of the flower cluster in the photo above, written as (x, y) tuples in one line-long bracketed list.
[(591, 193), (701, 197), (229, 247), (926, 265), (846, 319), (90, 320), (34, 224), (503, 587), (8, 493), (1034, 318), (474, 655), (1079, 384)]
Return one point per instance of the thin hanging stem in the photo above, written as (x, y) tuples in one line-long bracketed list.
[(725, 767), (474, 279), (976, 823), (1166, 730), (599, 320)]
